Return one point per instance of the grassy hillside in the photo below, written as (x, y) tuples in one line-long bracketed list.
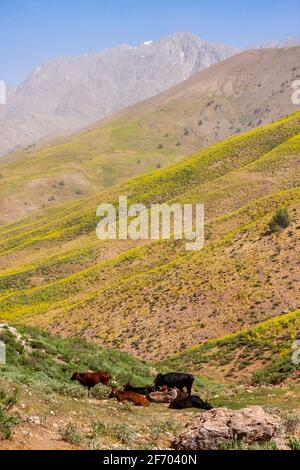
[(156, 299), (263, 351), (40, 408), (239, 94), (47, 363)]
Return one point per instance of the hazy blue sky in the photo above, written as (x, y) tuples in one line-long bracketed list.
[(33, 31)]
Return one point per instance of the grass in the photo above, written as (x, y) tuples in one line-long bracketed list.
[(46, 362), (236, 444)]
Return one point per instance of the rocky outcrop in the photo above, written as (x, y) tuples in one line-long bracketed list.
[(212, 429)]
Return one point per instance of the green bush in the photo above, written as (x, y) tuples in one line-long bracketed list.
[(7, 421), (294, 444), (280, 220), (71, 434)]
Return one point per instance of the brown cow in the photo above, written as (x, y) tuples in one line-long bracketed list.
[(138, 400), (90, 379)]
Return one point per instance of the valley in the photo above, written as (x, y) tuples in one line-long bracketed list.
[(227, 99)]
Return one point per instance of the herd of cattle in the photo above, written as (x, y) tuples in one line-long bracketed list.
[(173, 388)]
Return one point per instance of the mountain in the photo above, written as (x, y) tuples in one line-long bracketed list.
[(283, 43), (155, 299), (68, 93), (241, 93)]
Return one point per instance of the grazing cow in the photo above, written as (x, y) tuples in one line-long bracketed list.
[(90, 379), (165, 396), (146, 390), (189, 402), (175, 380), (138, 400)]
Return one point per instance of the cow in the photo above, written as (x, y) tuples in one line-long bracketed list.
[(191, 401), (175, 380), (140, 390), (90, 379), (138, 400), (165, 396)]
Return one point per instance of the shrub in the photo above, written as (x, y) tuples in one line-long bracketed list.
[(280, 220), (7, 421), (100, 392), (291, 422), (71, 434), (99, 429), (121, 432), (294, 444)]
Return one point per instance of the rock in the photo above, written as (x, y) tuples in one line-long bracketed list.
[(215, 427), (34, 420)]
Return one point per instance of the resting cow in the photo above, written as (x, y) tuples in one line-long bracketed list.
[(165, 396), (190, 402), (138, 400), (90, 379), (146, 390), (175, 380)]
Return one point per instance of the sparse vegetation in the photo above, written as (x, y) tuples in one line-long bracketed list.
[(239, 444)]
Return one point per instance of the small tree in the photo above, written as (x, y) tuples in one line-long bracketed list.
[(280, 220)]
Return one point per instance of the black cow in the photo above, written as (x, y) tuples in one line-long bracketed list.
[(146, 390), (189, 402), (175, 380)]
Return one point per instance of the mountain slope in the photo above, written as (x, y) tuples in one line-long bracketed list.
[(57, 274), (263, 351), (241, 93), (70, 92)]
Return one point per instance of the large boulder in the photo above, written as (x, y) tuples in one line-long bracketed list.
[(209, 430)]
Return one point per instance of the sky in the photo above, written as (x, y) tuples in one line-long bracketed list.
[(34, 31)]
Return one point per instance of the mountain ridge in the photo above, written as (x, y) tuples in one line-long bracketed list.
[(82, 89), (244, 92)]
